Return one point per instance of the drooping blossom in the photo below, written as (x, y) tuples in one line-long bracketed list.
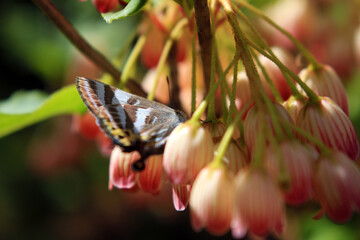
[(336, 187), (259, 207), (292, 161), (328, 122), (212, 200), (325, 82), (180, 196), (188, 149)]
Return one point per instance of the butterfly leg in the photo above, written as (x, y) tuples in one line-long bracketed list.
[(139, 165)]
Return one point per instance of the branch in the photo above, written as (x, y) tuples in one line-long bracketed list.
[(83, 46), (202, 16)]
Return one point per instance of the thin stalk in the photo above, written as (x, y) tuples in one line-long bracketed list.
[(165, 52), (225, 141), (301, 47), (132, 59), (82, 45), (200, 110)]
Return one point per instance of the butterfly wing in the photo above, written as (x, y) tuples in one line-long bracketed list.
[(133, 122)]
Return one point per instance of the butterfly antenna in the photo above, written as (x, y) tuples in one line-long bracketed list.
[(168, 83)]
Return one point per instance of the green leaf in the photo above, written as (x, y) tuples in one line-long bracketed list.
[(23, 102), (133, 7), (64, 101)]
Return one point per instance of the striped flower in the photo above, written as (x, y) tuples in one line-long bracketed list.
[(150, 179), (180, 196), (121, 174), (188, 149), (259, 205), (330, 124), (336, 186), (212, 200), (325, 82), (253, 121), (295, 160)]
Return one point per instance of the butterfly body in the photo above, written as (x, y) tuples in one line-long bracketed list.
[(132, 122)]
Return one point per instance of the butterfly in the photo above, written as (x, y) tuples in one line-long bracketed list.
[(132, 122)]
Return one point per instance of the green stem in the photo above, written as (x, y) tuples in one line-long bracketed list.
[(264, 45), (301, 47), (311, 95), (200, 110), (132, 59), (323, 149), (175, 33), (225, 141), (232, 96)]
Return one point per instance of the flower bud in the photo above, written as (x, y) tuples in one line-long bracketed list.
[(180, 195), (212, 200), (188, 149), (258, 203), (293, 107), (325, 82), (120, 173), (150, 179), (330, 124), (336, 186), (294, 161)]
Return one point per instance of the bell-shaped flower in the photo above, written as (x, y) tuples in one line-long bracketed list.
[(150, 179), (121, 174), (329, 123), (293, 161), (180, 196), (212, 200), (259, 207), (188, 149), (336, 187), (325, 82)]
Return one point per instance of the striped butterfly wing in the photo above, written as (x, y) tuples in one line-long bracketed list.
[(133, 122)]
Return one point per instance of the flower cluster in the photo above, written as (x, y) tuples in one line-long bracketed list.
[(276, 133)]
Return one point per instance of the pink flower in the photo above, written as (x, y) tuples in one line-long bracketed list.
[(188, 149), (294, 161), (120, 173), (330, 124), (258, 203), (150, 179), (253, 121), (336, 186), (180, 195), (212, 200), (325, 82)]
